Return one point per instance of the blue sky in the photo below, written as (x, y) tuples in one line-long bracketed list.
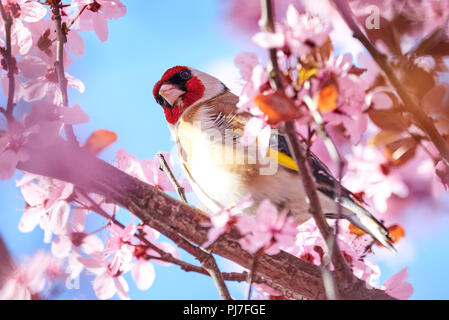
[(119, 75)]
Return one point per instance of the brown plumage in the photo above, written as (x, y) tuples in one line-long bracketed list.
[(222, 171)]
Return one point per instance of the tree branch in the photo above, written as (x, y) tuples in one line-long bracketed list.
[(59, 64), (343, 272), (283, 272), (381, 59), (7, 55)]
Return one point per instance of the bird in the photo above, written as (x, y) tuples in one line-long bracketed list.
[(203, 118)]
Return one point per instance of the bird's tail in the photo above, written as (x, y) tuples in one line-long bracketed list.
[(364, 220)]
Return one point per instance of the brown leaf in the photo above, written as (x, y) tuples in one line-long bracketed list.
[(100, 140), (417, 80), (433, 101), (400, 151), (327, 98), (277, 107), (389, 119), (357, 71), (384, 137), (434, 44)]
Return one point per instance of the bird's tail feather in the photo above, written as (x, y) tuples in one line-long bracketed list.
[(364, 220)]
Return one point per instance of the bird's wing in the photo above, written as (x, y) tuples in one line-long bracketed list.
[(327, 185), (226, 117)]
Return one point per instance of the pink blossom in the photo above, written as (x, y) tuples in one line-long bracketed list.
[(30, 278), (309, 243), (354, 249), (25, 10), (397, 285), (270, 230), (351, 102), (45, 48), (21, 38), (106, 283), (47, 86), (302, 28), (96, 15), (368, 172), (297, 32), (47, 205), (13, 147), (143, 274), (120, 245), (256, 129), (62, 245), (222, 221), (256, 77), (148, 170), (152, 235)]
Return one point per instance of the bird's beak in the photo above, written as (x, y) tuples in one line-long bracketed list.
[(170, 92)]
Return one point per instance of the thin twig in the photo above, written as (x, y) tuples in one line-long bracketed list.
[(164, 256), (165, 167), (76, 17), (252, 273), (7, 55), (336, 158), (206, 259), (59, 65), (343, 272), (382, 61)]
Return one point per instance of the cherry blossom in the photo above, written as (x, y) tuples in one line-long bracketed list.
[(269, 231), (369, 172), (143, 274), (30, 278), (120, 246), (96, 14), (152, 235), (106, 283), (74, 237), (297, 33), (148, 171), (223, 220), (46, 86), (257, 128), (397, 287), (13, 148), (27, 11), (47, 205)]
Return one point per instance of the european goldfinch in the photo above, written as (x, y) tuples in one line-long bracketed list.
[(202, 115)]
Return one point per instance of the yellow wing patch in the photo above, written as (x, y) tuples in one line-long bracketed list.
[(275, 155), (282, 159)]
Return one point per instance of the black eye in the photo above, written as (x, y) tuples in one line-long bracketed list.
[(160, 100), (185, 75)]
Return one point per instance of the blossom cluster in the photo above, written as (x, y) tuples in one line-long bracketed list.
[(61, 212), (33, 52), (390, 163)]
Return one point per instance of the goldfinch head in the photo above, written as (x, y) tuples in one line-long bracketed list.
[(181, 87)]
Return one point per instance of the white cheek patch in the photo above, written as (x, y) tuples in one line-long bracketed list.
[(213, 87)]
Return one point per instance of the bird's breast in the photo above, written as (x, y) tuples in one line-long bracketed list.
[(218, 166)]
